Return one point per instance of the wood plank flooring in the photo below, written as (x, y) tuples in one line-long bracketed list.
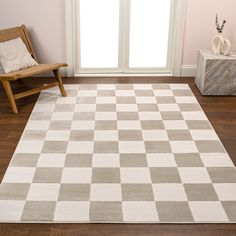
[(221, 111)]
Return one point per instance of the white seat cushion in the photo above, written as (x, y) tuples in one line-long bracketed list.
[(14, 56)]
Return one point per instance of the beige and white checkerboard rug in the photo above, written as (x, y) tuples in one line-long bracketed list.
[(119, 154)]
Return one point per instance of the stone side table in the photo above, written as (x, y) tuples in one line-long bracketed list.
[(216, 74)]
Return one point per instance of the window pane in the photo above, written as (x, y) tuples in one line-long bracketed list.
[(99, 33), (149, 33)]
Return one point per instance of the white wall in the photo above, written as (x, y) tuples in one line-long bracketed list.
[(200, 25), (46, 22)]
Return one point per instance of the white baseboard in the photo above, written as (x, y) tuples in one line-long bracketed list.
[(188, 70)]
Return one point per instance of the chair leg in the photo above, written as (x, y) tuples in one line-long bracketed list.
[(7, 86), (59, 80)]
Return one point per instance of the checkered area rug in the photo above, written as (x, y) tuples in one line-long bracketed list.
[(124, 153)]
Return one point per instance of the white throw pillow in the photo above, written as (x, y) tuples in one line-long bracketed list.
[(14, 56)]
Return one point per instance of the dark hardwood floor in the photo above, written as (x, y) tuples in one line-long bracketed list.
[(221, 111)]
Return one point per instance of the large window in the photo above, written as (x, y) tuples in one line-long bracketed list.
[(124, 36), (149, 33), (99, 33)]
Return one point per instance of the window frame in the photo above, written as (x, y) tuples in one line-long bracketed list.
[(178, 12)]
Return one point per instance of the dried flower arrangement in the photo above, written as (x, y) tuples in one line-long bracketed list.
[(221, 45), (218, 27)]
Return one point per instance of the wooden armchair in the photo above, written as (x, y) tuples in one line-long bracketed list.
[(13, 33)]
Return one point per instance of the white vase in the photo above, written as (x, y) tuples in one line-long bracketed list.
[(217, 43), (226, 48), (221, 46)]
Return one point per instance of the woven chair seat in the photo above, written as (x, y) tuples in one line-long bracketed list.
[(41, 68)]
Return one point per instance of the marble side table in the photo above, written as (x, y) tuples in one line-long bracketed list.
[(216, 74)]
